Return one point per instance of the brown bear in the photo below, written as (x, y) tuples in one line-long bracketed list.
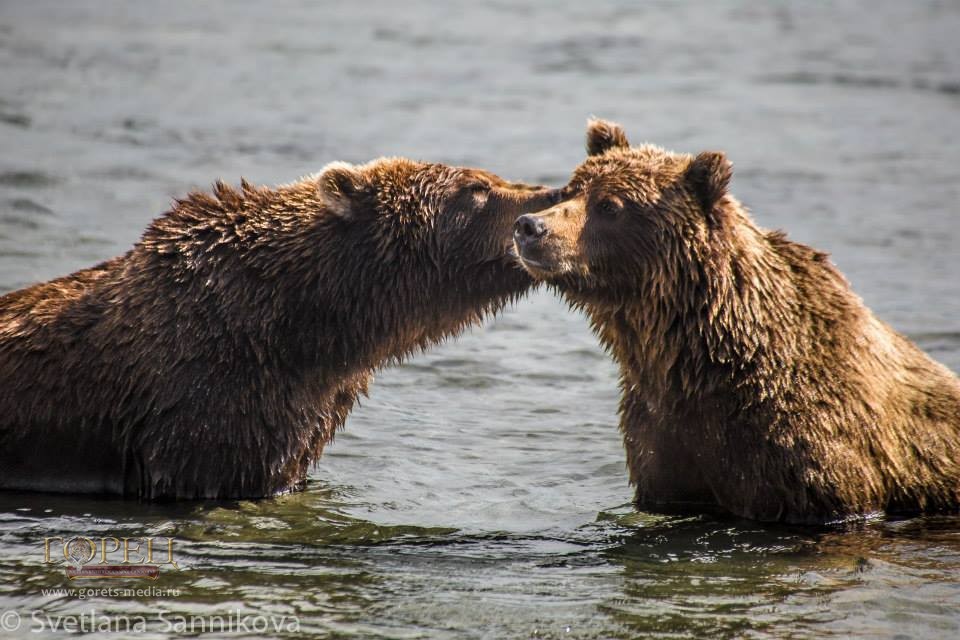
[(218, 356), (754, 381)]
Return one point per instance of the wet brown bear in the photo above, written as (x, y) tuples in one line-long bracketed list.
[(753, 379), (218, 356)]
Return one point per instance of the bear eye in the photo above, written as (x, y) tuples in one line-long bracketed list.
[(610, 206)]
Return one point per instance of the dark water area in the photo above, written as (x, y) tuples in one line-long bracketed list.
[(480, 492)]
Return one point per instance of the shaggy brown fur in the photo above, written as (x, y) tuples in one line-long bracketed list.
[(753, 379), (219, 356)]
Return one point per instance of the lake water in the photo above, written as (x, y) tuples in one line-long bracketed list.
[(480, 492)]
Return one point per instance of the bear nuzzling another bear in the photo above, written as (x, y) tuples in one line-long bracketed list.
[(218, 356), (753, 379)]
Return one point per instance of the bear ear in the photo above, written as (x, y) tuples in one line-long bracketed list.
[(708, 177), (338, 184), (603, 135)]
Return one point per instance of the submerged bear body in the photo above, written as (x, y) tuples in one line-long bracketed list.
[(218, 356), (754, 381)]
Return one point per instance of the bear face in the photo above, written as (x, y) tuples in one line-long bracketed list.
[(632, 213), (456, 221)]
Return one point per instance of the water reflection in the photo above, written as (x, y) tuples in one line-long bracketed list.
[(622, 575)]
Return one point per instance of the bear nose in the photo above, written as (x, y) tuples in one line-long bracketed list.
[(529, 228)]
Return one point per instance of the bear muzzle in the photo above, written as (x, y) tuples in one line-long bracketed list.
[(529, 228)]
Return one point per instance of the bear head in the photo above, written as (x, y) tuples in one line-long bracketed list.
[(634, 217), (435, 238)]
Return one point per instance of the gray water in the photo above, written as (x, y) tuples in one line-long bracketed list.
[(480, 492)]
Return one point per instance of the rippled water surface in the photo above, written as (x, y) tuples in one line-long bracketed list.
[(480, 491)]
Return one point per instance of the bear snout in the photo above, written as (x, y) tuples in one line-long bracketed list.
[(528, 229)]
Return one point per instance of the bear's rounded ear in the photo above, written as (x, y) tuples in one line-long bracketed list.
[(339, 183), (603, 135), (709, 177)]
